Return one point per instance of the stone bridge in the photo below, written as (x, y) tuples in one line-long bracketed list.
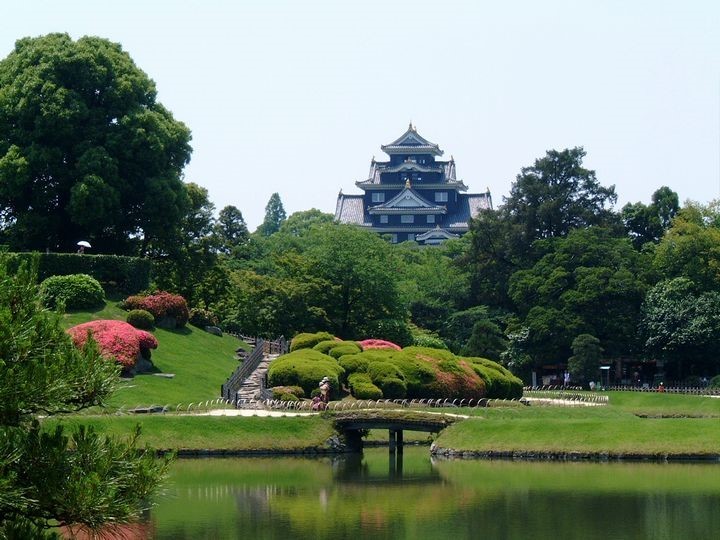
[(352, 424)]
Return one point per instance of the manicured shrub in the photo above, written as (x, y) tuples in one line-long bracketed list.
[(342, 350), (305, 368), (326, 346), (141, 318), (353, 363), (714, 382), (278, 391), (289, 397), (362, 387), (501, 383), (384, 370), (368, 344), (308, 340), (117, 340), (170, 310), (75, 291), (203, 317), (392, 388)]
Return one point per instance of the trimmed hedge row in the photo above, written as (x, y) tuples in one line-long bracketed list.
[(413, 372), (126, 274), (308, 340)]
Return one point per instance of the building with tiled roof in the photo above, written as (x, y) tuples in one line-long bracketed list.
[(413, 196)]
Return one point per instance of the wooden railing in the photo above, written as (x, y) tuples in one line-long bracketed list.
[(262, 348)]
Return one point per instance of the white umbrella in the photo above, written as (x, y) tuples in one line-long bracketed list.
[(84, 243)]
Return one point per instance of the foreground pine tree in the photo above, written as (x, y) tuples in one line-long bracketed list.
[(49, 477)]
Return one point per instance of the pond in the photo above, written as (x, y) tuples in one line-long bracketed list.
[(411, 496)]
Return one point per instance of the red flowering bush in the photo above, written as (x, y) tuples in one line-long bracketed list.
[(165, 307), (378, 344), (116, 339)]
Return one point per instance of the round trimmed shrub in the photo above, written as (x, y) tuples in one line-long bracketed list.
[(141, 318), (393, 388), (75, 291), (289, 397), (326, 346), (308, 341), (714, 382), (362, 387), (278, 391), (342, 350), (203, 317)]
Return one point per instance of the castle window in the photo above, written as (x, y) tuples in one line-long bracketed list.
[(383, 218), (407, 219), (431, 219), (441, 196), (378, 197)]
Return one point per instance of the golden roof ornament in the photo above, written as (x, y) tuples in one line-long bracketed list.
[(407, 183)]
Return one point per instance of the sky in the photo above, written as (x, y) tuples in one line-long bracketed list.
[(296, 97)]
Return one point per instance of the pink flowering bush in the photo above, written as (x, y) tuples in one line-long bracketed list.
[(378, 344), (163, 305), (117, 340)]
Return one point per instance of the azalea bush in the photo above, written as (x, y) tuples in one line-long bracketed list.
[(378, 344), (309, 340), (203, 317), (117, 340), (169, 310), (141, 319)]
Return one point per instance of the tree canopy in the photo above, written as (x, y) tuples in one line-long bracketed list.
[(86, 150), (274, 216)]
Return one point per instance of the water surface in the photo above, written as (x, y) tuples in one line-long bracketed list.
[(410, 496)]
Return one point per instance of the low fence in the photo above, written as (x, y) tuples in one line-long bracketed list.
[(692, 390), (565, 397)]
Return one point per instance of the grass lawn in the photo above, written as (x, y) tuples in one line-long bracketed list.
[(219, 433), (200, 362)]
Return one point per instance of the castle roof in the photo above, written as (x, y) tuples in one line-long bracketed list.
[(411, 142), (408, 201)]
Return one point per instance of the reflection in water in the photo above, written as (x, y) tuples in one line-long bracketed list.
[(405, 495)]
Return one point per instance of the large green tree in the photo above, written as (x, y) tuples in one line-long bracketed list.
[(547, 200), (50, 476), (647, 223), (86, 150), (589, 282)]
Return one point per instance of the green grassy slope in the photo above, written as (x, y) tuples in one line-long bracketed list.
[(200, 362)]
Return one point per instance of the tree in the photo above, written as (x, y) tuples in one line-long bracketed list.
[(274, 216), (588, 282), (681, 325), (557, 194), (72, 478), (86, 151), (231, 230), (584, 364), (691, 247), (547, 200), (649, 223)]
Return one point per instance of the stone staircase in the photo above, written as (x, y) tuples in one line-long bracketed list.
[(252, 385)]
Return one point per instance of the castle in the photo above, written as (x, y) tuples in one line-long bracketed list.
[(413, 196)]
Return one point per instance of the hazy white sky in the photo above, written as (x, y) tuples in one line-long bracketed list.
[(297, 96)]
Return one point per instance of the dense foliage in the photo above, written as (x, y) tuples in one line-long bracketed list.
[(74, 291), (386, 371), (86, 150), (42, 373)]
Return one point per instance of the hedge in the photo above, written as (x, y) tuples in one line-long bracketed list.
[(305, 368), (342, 350), (115, 272), (326, 346)]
